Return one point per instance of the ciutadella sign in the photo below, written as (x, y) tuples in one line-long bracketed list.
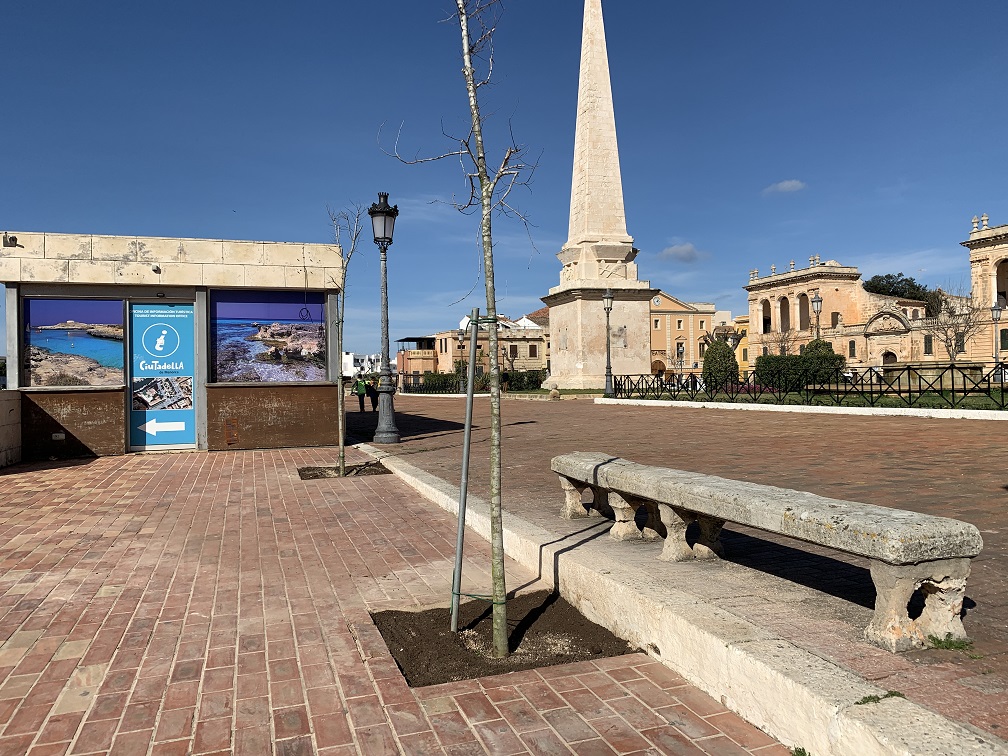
[(162, 413)]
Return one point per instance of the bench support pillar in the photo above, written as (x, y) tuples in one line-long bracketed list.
[(573, 507), (677, 548), (943, 584)]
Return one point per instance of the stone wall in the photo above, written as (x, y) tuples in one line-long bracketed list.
[(10, 428), (155, 261)]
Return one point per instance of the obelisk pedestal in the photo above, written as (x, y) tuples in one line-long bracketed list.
[(599, 254)]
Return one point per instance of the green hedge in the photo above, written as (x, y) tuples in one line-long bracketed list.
[(818, 363)]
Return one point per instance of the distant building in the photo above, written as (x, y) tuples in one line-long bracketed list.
[(524, 345), (680, 332), (874, 330), (354, 363)]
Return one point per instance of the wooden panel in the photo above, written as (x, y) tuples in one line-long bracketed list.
[(271, 417), (71, 424)]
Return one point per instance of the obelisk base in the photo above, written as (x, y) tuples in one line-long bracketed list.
[(578, 331)]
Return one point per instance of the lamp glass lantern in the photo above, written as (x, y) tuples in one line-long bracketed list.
[(816, 303), (607, 300), (383, 217), (996, 312)]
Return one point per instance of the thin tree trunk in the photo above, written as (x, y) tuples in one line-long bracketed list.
[(500, 630)]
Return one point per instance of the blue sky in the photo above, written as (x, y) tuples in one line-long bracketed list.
[(750, 134)]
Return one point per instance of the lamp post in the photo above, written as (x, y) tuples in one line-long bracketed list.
[(995, 319), (383, 219), (607, 299), (816, 308)]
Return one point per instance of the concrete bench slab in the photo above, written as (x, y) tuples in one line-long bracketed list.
[(909, 552)]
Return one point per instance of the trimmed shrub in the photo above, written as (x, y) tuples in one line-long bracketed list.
[(719, 367), (822, 364)]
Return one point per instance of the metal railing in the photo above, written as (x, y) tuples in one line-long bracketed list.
[(437, 383), (939, 386)]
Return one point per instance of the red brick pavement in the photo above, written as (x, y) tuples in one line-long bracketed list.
[(215, 603), (953, 468)]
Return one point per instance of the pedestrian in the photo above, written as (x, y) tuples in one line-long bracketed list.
[(360, 388), (504, 381), (372, 392)]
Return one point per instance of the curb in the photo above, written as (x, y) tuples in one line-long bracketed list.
[(795, 696), (939, 414)]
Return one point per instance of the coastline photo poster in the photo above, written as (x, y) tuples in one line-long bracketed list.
[(74, 342), (267, 336)]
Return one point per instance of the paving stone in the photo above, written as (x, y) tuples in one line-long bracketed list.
[(215, 620)]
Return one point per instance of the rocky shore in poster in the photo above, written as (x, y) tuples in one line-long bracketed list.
[(278, 351), (48, 368)]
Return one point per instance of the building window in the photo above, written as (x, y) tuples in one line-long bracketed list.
[(1004, 339), (834, 319), (534, 351), (701, 325), (745, 355), (656, 324), (766, 351), (513, 351), (852, 348), (960, 343), (916, 314), (702, 348), (928, 344), (678, 325), (801, 349)]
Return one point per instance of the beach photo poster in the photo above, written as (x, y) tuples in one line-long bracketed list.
[(267, 336), (74, 342)]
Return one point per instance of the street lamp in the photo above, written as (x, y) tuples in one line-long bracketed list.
[(607, 299), (816, 308), (383, 219), (995, 318)]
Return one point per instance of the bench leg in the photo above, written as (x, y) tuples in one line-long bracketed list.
[(675, 521), (943, 584), (708, 546), (572, 506), (623, 508)]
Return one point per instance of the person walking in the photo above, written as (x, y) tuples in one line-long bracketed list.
[(360, 388), (372, 392)]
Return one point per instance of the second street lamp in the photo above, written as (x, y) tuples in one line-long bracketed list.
[(607, 300), (383, 218), (995, 319), (816, 308)]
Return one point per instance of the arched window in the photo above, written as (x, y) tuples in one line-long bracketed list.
[(765, 313), (803, 312), (1001, 283), (785, 315), (852, 348), (916, 314)]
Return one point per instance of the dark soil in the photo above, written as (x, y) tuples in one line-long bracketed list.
[(365, 468), (543, 630)]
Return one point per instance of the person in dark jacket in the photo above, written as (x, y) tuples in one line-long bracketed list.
[(372, 392)]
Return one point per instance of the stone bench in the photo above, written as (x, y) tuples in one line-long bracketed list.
[(908, 551)]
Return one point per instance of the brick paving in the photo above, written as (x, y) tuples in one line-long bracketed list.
[(819, 599), (199, 603)]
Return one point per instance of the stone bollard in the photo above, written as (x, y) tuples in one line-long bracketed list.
[(554, 393)]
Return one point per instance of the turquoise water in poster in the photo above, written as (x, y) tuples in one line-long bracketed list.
[(163, 365)]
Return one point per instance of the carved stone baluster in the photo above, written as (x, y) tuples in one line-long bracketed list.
[(676, 521)]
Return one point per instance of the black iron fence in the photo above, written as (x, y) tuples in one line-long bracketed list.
[(930, 387), (432, 383)]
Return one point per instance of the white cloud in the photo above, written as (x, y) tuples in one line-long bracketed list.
[(685, 252), (785, 187)]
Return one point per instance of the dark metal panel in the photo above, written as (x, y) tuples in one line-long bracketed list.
[(70, 424), (271, 417)]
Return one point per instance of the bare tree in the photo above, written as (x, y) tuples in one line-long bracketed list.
[(347, 224), (959, 318), (780, 342), (490, 189)]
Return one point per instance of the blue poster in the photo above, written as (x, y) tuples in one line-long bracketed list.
[(162, 339)]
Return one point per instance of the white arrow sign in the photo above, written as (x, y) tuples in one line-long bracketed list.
[(151, 427)]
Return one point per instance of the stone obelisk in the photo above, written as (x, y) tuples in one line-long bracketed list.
[(599, 254)]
